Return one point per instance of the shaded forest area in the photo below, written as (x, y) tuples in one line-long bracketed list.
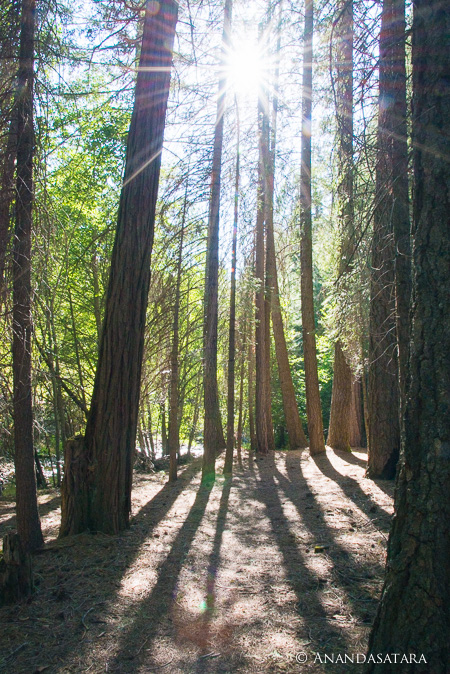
[(225, 307)]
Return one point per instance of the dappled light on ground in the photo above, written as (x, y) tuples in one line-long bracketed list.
[(286, 557)]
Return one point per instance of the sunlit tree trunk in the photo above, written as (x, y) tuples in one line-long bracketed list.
[(213, 439), (413, 616), (28, 523), (96, 491), (313, 404)]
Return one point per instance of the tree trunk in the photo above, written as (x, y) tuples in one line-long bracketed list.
[(313, 404), (241, 396), (251, 395), (398, 137), (164, 439), (174, 433), (112, 423), (228, 467), (16, 576), (41, 482), (195, 419), (339, 424), (97, 304), (392, 206), (413, 615), (213, 439), (341, 399), (28, 523), (6, 198), (297, 438), (356, 437), (265, 441)]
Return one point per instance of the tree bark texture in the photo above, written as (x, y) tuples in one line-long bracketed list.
[(341, 400), (357, 434), (414, 611), (110, 436), (213, 439), (16, 575), (391, 207), (28, 523), (339, 424), (313, 404)]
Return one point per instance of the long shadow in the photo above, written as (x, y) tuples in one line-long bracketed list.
[(353, 491), (213, 566), (80, 563), (159, 603), (299, 577), (44, 509), (349, 457), (355, 572), (385, 485)]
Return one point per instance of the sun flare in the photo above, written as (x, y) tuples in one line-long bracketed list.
[(245, 67)]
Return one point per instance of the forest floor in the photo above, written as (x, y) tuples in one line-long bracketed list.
[(228, 579)]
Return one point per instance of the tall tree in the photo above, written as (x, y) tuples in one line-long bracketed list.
[(313, 404), (339, 426), (390, 284), (228, 467), (213, 439), (297, 438), (9, 32), (413, 615), (265, 441), (97, 488), (174, 396), (28, 523)]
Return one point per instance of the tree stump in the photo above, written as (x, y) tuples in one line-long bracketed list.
[(16, 576)]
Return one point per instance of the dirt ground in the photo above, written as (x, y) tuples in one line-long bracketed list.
[(229, 579)]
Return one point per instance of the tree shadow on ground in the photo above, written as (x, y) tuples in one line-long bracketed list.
[(350, 457), (202, 665), (358, 572), (303, 582), (152, 615), (385, 485), (353, 490), (78, 573), (44, 509)]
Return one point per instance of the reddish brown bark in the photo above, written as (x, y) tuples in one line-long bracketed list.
[(112, 422)]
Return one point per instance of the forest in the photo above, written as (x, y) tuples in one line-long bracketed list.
[(225, 336)]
